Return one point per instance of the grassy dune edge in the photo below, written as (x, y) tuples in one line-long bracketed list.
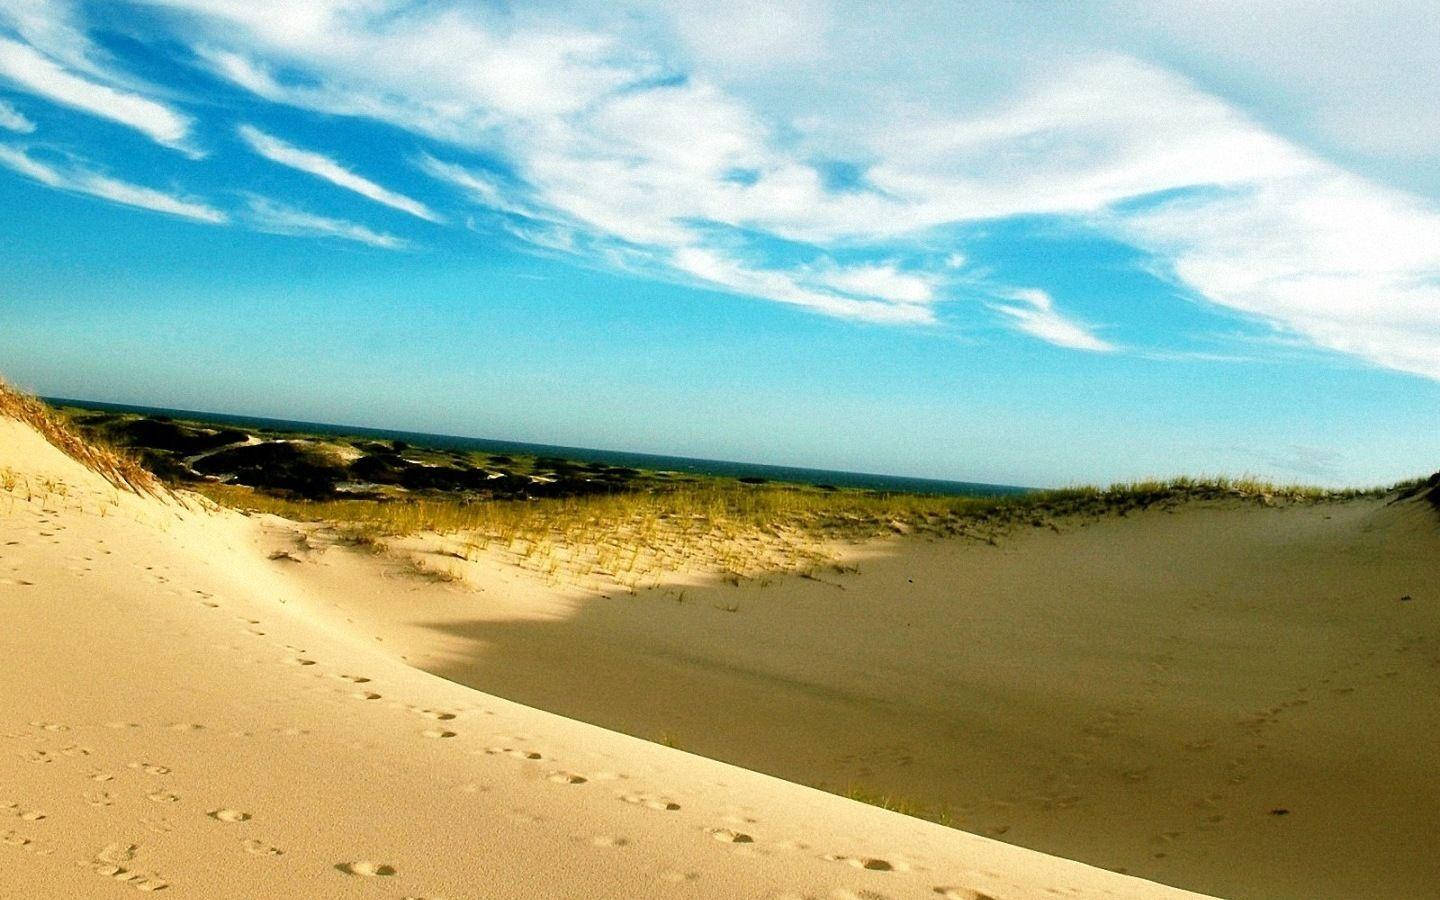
[(113, 464)]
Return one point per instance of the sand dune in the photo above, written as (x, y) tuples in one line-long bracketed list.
[(184, 714), (1224, 695)]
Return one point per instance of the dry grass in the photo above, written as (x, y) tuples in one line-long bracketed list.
[(724, 529), (114, 465), (902, 805)]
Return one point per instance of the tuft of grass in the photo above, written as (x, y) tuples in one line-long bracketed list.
[(114, 465)]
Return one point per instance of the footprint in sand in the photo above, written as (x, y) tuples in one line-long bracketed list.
[(137, 880), (228, 815), (299, 661), (164, 797), (365, 695), (515, 752), (437, 733), (651, 801), (729, 836), (150, 768), (14, 839), (872, 863), (117, 853), (566, 778), (158, 825), (609, 840), (353, 679), (366, 868), (260, 848), (438, 715), (960, 893)]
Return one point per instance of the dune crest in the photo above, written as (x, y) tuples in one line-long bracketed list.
[(177, 719)]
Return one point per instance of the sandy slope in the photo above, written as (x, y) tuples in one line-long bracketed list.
[(1230, 698), (178, 714)]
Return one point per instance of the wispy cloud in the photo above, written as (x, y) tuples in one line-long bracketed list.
[(481, 187), (278, 218), (29, 70), (640, 166), (1343, 263), (14, 120), (884, 281), (716, 269), (321, 166), (625, 150), (84, 181), (1035, 314)]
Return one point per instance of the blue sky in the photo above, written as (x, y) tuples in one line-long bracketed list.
[(1014, 242)]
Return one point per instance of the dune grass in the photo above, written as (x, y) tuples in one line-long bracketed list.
[(114, 465), (723, 528), (724, 505)]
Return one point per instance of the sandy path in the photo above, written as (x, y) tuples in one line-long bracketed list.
[(176, 717), (1232, 699)]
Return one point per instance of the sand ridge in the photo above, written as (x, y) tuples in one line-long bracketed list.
[(179, 718)]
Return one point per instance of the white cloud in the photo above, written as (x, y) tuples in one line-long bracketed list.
[(618, 154), (1035, 314), (14, 120), (31, 71), (1344, 263), (322, 166), (481, 187), (83, 181), (885, 282), (716, 269), (1365, 75), (278, 218), (56, 29)]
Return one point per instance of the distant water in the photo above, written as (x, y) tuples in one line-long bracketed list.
[(656, 462)]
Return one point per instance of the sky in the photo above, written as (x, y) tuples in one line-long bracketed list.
[(1018, 242)]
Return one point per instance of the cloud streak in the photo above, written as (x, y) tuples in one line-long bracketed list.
[(323, 167), (1034, 313), (84, 181), (278, 218), (31, 71), (14, 120)]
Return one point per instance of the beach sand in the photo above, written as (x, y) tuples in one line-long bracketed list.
[(183, 714), (1223, 695)]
